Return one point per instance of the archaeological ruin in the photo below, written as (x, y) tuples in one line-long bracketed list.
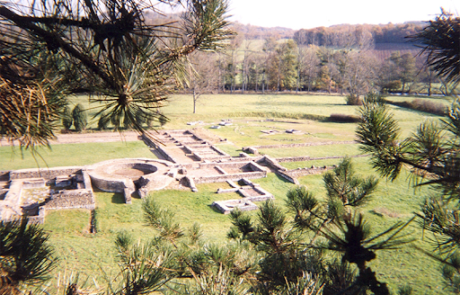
[(184, 160)]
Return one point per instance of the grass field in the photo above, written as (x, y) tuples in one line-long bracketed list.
[(93, 255), (77, 154)]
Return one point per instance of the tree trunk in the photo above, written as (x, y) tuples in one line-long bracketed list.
[(194, 98)]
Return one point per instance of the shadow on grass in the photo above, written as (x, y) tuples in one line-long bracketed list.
[(118, 198), (214, 209)]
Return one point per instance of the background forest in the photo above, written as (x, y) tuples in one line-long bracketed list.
[(351, 59)]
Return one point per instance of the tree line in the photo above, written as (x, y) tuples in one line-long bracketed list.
[(287, 65), (341, 35)]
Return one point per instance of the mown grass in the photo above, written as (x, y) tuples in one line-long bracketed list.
[(94, 254), (88, 254), (77, 154)]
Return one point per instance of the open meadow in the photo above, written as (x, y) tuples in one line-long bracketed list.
[(93, 255)]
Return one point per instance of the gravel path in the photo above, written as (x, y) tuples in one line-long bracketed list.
[(87, 137)]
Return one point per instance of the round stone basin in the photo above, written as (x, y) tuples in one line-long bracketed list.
[(115, 175), (131, 170)]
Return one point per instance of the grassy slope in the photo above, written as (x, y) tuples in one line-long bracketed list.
[(93, 254), (72, 154)]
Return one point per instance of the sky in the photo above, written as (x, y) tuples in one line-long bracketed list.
[(305, 14)]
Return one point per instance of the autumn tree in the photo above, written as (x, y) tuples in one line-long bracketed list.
[(282, 73)]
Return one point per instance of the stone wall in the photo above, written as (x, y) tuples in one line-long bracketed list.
[(301, 144), (72, 199), (5, 175), (33, 183), (160, 149), (234, 177), (166, 155), (308, 171), (111, 185), (307, 158), (39, 218), (272, 163), (293, 159), (227, 206), (46, 173)]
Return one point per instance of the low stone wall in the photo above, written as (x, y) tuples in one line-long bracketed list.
[(111, 185), (302, 144), (273, 164), (86, 180), (159, 148), (71, 199), (33, 183), (166, 155), (227, 206), (46, 173), (293, 159), (250, 149), (308, 171), (127, 194), (256, 167), (190, 182), (39, 218), (307, 158), (5, 175), (234, 177), (286, 176), (222, 171)]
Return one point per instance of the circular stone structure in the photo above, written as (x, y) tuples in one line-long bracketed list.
[(117, 175)]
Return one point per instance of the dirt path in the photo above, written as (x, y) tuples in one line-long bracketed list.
[(87, 137)]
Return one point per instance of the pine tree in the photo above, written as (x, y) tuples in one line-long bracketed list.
[(431, 152), (26, 258), (67, 119), (104, 48), (80, 119)]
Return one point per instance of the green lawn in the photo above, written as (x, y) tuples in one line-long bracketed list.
[(93, 255), (78, 154), (88, 254)]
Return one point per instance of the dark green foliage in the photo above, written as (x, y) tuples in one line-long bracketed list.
[(162, 120), (351, 235), (285, 259), (26, 258), (391, 86), (127, 123), (103, 122), (432, 155), (441, 42), (145, 268), (349, 189), (342, 118), (140, 117), (307, 209), (340, 276), (215, 269), (67, 119), (378, 133), (80, 119)]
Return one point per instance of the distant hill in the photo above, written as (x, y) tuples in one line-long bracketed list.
[(340, 35), (256, 32)]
